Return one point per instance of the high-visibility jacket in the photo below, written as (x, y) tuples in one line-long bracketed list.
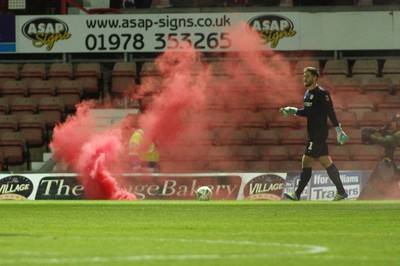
[(146, 154)]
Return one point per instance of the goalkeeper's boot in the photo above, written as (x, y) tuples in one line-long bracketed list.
[(340, 196), (291, 196)]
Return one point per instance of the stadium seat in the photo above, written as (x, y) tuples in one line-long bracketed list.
[(90, 75), (23, 106), (336, 67), (346, 85), (244, 103), (285, 165), (14, 147), (226, 166), (286, 3), (8, 72), (279, 67), (227, 136), (263, 136), (71, 91), (360, 152), (373, 119), (32, 72), (277, 121), (123, 78), (346, 119), (388, 102), (274, 152), (14, 89), (339, 152), (8, 123), (221, 67), (257, 166), (245, 153), (292, 137), (33, 128), (296, 152), (303, 63), (41, 88), (365, 67), (3, 106), (365, 3), (52, 109), (378, 86), (252, 120), (60, 71)]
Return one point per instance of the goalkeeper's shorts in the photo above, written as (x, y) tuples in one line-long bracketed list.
[(317, 148)]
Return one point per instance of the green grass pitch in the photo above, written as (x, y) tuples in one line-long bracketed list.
[(199, 233)]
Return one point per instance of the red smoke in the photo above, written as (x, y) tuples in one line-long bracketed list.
[(191, 98), (93, 155)]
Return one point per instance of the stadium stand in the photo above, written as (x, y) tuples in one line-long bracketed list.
[(360, 90)]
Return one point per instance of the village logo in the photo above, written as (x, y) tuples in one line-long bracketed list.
[(271, 28), (264, 187), (15, 187), (45, 32)]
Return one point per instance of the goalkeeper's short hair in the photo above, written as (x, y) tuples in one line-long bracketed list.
[(314, 72)]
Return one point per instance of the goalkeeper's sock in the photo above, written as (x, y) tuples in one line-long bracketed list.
[(304, 178), (334, 175)]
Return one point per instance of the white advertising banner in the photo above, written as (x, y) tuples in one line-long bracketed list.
[(207, 32)]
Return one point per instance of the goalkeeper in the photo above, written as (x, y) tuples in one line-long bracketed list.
[(317, 108)]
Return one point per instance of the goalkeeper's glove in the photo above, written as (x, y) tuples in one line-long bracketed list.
[(341, 137), (288, 110)]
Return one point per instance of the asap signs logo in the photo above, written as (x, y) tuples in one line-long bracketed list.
[(271, 28), (45, 32)]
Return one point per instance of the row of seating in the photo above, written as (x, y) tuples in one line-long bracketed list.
[(52, 109), (88, 74)]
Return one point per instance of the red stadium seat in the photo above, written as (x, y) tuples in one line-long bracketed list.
[(32, 72), (52, 109), (366, 67), (22, 106), (336, 67), (71, 91), (274, 153), (8, 72), (373, 119), (90, 75), (33, 128), (227, 136), (14, 89), (263, 137), (60, 71), (303, 63), (8, 123), (14, 148), (3, 106), (292, 137), (41, 88), (123, 78)]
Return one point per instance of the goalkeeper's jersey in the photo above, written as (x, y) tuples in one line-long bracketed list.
[(318, 107)]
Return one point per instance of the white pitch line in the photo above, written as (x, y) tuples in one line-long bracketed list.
[(303, 250)]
